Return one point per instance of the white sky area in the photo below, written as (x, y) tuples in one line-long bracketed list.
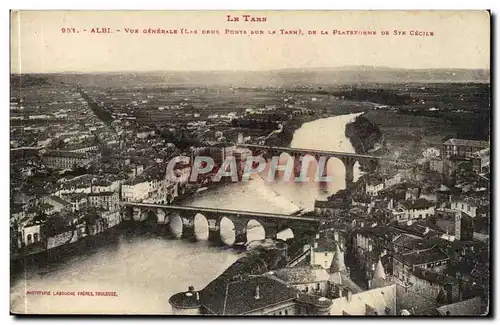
[(462, 40)]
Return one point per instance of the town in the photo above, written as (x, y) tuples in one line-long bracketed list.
[(409, 236)]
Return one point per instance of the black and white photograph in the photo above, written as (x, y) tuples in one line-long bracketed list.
[(272, 163)]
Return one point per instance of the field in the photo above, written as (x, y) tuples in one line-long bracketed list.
[(410, 116)]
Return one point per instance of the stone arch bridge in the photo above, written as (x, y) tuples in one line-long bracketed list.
[(368, 162), (181, 221)]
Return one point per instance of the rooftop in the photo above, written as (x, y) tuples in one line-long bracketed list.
[(377, 301), (468, 143), (472, 306), (434, 277), (417, 204), (425, 256), (245, 295), (59, 200), (304, 274), (66, 154)]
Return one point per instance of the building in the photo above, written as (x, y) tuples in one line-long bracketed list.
[(59, 159), (333, 206), (78, 201), (139, 188), (414, 209), (467, 205), (406, 243), (372, 243), (481, 160), (455, 223), (374, 186), (404, 264), (105, 200), (324, 248), (164, 194), (58, 203), (31, 234), (248, 288), (462, 148)]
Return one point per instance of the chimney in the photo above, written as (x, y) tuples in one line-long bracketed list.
[(197, 296), (257, 292), (349, 295)]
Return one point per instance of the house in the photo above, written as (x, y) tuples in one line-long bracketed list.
[(396, 178), (406, 243), (370, 244), (414, 209), (425, 290), (164, 194), (331, 207), (432, 258), (481, 160), (105, 200), (455, 223), (467, 205), (324, 249), (59, 159), (374, 185), (58, 203), (31, 234), (139, 188), (462, 148), (78, 201)]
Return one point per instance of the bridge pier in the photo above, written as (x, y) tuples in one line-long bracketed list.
[(297, 164), (241, 237), (188, 231), (214, 232), (127, 213), (349, 171), (240, 230), (162, 217), (271, 231)]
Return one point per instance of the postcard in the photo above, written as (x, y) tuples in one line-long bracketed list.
[(278, 163)]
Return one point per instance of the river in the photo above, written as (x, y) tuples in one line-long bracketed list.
[(145, 269)]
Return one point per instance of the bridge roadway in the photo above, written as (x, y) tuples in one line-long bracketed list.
[(313, 152), (223, 211)]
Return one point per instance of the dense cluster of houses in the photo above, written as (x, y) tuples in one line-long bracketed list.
[(428, 229)]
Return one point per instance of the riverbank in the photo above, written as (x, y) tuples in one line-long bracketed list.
[(363, 133)]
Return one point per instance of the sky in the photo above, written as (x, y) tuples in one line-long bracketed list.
[(461, 40)]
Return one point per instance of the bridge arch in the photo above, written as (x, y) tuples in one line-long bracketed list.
[(201, 229), (255, 230), (286, 233), (175, 224), (227, 231)]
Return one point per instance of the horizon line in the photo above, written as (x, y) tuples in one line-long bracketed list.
[(226, 70)]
